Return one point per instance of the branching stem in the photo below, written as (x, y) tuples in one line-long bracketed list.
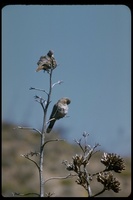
[(52, 140), (32, 161), (41, 173), (65, 177), (19, 194), (103, 190), (31, 88), (28, 128)]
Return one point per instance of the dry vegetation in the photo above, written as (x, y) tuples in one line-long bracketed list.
[(20, 175)]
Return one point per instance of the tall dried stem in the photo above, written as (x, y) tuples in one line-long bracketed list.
[(41, 172)]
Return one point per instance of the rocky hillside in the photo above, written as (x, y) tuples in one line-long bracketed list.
[(21, 175)]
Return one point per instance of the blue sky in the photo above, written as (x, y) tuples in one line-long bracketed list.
[(92, 44)]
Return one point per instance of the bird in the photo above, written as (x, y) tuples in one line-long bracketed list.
[(47, 62), (60, 109)]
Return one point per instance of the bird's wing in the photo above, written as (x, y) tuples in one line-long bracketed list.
[(44, 60), (54, 111), (54, 63)]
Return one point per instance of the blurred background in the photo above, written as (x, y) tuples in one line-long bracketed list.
[(92, 45)]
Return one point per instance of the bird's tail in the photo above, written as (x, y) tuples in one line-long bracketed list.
[(50, 126), (39, 68)]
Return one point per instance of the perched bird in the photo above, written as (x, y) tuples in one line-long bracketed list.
[(46, 62), (59, 111)]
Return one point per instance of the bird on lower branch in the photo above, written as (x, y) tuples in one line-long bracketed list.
[(60, 109)]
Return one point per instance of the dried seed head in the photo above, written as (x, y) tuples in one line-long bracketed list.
[(113, 162), (109, 182)]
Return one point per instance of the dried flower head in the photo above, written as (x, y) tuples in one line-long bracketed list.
[(109, 182), (113, 162), (82, 179), (69, 166), (79, 160)]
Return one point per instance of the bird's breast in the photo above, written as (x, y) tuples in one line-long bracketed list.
[(62, 111)]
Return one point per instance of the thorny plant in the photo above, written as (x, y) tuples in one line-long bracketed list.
[(79, 164)]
